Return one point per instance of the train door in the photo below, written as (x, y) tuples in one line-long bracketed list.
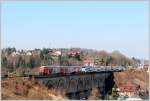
[(46, 71), (50, 70), (62, 70)]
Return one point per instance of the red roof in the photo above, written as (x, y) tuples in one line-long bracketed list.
[(88, 61), (128, 87), (73, 52)]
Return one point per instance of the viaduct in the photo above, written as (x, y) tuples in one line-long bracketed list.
[(78, 84)]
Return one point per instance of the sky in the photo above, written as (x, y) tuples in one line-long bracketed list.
[(108, 26)]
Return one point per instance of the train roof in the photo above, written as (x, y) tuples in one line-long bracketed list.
[(59, 66)]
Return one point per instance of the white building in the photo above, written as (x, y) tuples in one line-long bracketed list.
[(134, 98), (89, 62), (14, 53), (29, 53), (56, 53)]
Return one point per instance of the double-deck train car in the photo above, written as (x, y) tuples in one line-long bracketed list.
[(45, 70), (60, 70)]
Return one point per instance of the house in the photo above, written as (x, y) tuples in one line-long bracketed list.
[(73, 52), (129, 89), (146, 65), (28, 53), (89, 62), (14, 53), (148, 69), (55, 53), (140, 66), (134, 98), (143, 65)]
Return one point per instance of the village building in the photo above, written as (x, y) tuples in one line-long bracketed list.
[(134, 98), (14, 53), (89, 62), (56, 53), (128, 89), (143, 65), (73, 52), (28, 53), (146, 65)]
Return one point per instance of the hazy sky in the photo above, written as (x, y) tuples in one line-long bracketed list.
[(106, 26)]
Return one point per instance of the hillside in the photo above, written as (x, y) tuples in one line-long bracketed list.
[(13, 59), (25, 89), (139, 77)]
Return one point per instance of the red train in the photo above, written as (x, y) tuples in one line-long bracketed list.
[(61, 70)]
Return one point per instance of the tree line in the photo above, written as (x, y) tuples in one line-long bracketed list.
[(12, 59)]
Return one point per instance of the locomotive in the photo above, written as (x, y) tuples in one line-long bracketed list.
[(59, 70)]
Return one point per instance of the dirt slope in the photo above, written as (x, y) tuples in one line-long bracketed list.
[(139, 77), (21, 89)]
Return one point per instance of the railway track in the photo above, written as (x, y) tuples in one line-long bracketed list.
[(50, 76)]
